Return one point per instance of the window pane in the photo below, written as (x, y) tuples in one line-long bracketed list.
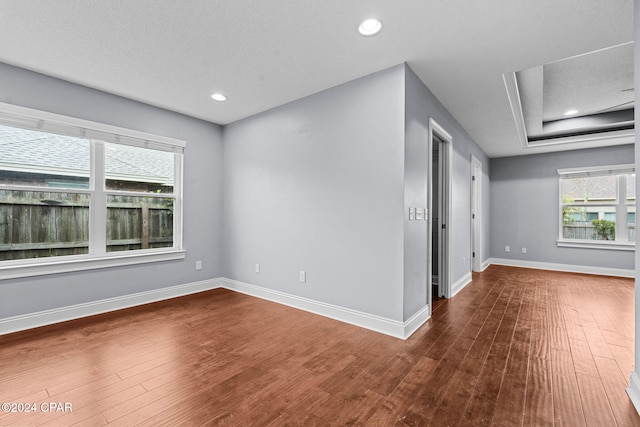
[(589, 222), (29, 157), (631, 223), (582, 221), (631, 188), (139, 169), (139, 223), (591, 216), (596, 189), (36, 224)]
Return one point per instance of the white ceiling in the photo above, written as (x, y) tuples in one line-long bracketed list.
[(594, 85), (591, 83), (264, 53)]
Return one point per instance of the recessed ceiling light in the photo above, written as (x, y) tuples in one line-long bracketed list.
[(219, 97), (369, 27), (571, 112)]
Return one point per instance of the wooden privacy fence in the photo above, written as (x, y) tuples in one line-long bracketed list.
[(41, 224), (588, 232)]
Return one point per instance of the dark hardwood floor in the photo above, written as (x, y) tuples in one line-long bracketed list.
[(515, 347)]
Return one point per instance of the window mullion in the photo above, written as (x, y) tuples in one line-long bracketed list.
[(178, 201), (562, 207), (98, 231), (621, 209)]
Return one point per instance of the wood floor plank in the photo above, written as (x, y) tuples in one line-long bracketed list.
[(538, 410), (509, 407), (567, 405), (516, 347), (379, 415), (413, 384), (597, 411), (459, 391), (621, 406), (582, 358)]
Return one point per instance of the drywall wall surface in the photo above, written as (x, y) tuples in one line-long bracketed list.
[(422, 105), (202, 195), (317, 186), (525, 197)]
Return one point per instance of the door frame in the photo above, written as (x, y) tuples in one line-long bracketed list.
[(444, 209), (476, 214)]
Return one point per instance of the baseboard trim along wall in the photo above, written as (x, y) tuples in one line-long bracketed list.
[(394, 328), (383, 325), (569, 268), (634, 390), (49, 317), (460, 284), (372, 322)]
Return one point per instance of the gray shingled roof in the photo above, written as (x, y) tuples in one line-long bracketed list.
[(595, 188), (64, 155)]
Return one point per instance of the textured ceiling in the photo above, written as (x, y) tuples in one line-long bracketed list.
[(592, 83), (264, 53), (596, 85)]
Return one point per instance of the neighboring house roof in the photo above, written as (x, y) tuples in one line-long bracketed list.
[(601, 188), (40, 152)]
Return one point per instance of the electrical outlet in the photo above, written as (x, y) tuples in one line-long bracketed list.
[(198, 265), (257, 268), (303, 277), (507, 249), (524, 250)]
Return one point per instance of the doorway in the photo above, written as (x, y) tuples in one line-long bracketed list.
[(439, 205)]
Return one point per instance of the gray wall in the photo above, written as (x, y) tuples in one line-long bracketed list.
[(525, 211), (202, 195), (317, 185), (324, 185), (421, 105)]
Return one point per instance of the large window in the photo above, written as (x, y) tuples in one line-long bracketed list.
[(78, 193), (597, 207)]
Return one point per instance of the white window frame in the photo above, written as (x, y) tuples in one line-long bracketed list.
[(27, 118), (621, 242)]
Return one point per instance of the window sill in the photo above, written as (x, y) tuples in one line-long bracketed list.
[(42, 266), (597, 244)]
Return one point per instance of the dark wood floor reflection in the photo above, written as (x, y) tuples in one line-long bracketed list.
[(515, 347)]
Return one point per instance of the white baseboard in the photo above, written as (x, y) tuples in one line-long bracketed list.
[(570, 268), (417, 320), (634, 390), (49, 317), (380, 324), (460, 284), (369, 321), (485, 265)]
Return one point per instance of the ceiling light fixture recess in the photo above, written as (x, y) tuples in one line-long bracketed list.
[(571, 112), (370, 27), (219, 97)]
